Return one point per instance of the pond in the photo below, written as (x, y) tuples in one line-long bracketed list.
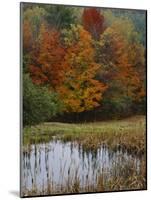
[(57, 167)]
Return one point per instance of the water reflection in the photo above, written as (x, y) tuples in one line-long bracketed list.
[(57, 164)]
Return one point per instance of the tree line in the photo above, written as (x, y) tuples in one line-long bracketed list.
[(82, 62)]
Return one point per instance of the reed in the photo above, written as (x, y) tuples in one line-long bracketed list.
[(126, 179)]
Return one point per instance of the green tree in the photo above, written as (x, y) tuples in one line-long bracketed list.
[(39, 104), (60, 16)]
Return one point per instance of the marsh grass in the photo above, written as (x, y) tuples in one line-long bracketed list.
[(128, 134)]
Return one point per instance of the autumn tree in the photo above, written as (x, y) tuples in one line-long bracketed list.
[(118, 53), (35, 16), (47, 59), (80, 91), (132, 59), (134, 18), (27, 37), (90, 60), (93, 21)]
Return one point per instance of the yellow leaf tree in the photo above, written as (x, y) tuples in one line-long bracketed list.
[(80, 91)]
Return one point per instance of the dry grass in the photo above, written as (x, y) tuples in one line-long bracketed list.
[(127, 133)]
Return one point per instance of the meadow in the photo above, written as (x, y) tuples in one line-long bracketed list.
[(128, 133)]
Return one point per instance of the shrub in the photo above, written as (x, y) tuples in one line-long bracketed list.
[(39, 104)]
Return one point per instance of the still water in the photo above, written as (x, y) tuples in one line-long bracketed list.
[(60, 164)]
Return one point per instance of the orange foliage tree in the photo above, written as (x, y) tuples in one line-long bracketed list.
[(80, 91), (47, 59), (121, 64), (93, 21)]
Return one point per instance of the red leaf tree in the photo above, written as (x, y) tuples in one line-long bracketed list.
[(93, 22)]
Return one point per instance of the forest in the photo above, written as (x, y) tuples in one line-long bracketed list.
[(84, 99), (82, 64)]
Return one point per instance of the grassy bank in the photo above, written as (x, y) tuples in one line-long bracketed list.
[(126, 133)]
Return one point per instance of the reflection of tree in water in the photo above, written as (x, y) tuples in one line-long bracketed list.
[(55, 166)]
